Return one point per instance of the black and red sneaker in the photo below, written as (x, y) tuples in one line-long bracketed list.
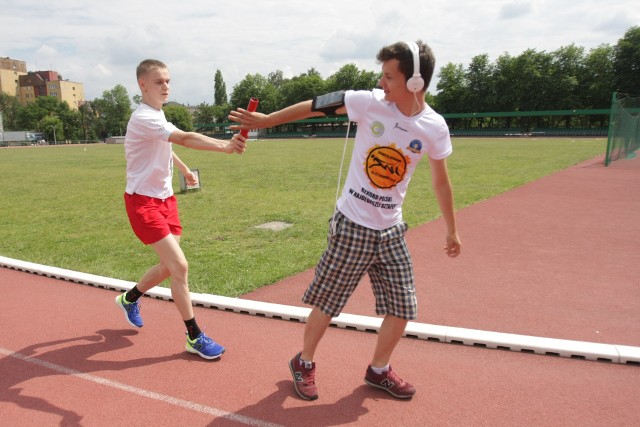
[(304, 378), (390, 382)]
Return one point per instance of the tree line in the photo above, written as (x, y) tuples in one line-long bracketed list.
[(566, 79)]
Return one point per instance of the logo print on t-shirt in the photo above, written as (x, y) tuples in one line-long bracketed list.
[(377, 129), (415, 146), (386, 166)]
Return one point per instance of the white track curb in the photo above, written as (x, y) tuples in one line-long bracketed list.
[(612, 353)]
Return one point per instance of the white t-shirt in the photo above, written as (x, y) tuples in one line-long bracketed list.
[(148, 153), (388, 147)]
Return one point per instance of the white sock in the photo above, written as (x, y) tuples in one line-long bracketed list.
[(307, 364), (380, 370)]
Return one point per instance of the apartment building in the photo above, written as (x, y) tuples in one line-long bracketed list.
[(49, 83), (27, 86), (10, 71)]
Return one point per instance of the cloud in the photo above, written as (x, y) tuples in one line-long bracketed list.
[(612, 23), (100, 44), (45, 51), (515, 9), (101, 71)]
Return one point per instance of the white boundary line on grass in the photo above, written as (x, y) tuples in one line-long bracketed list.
[(614, 353)]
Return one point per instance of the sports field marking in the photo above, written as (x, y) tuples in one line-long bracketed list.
[(612, 353), (184, 404)]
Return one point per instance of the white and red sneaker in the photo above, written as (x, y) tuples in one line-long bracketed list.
[(390, 382), (304, 378)]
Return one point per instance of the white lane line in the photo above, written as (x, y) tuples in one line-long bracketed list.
[(184, 404)]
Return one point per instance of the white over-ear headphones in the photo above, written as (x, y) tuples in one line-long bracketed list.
[(415, 82)]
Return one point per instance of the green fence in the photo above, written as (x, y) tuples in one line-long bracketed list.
[(624, 130), (492, 124)]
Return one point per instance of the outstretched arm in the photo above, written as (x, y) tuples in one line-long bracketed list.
[(200, 142), (444, 195), (299, 111)]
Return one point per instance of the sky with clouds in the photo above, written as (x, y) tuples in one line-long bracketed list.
[(100, 43)]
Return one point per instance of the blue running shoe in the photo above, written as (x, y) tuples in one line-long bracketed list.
[(131, 311), (205, 347)]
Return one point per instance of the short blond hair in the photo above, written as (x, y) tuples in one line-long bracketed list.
[(148, 65)]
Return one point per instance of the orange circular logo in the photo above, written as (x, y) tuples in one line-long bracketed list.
[(386, 166)]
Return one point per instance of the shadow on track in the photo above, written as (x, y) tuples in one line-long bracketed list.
[(65, 360)]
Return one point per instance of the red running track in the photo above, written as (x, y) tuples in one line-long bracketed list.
[(553, 258)]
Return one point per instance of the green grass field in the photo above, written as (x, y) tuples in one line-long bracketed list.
[(63, 206)]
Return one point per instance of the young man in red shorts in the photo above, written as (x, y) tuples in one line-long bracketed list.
[(151, 206)]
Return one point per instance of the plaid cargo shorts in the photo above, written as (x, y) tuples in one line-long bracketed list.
[(354, 250)]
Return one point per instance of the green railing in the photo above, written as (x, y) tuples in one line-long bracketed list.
[(593, 122)]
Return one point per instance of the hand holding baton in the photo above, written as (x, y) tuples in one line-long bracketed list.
[(253, 105)]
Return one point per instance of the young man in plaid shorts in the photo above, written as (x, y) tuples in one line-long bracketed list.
[(396, 128)]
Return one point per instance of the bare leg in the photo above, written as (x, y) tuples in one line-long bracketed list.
[(153, 277), (391, 331), (314, 330), (172, 259)]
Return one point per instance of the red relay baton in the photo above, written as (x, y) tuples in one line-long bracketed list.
[(253, 105)]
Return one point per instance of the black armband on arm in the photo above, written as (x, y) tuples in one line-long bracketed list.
[(329, 103)]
